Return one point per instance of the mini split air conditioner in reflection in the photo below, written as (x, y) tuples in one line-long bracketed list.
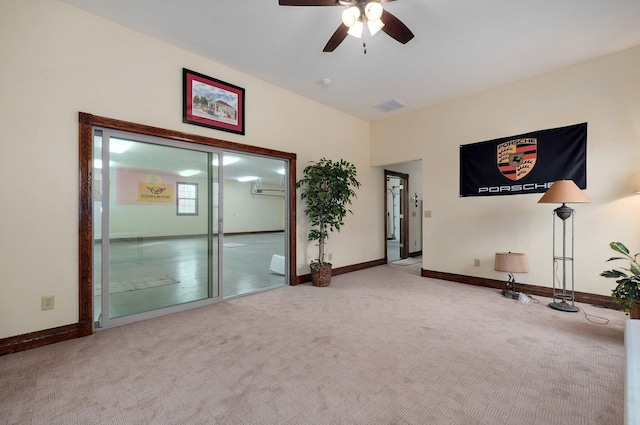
[(257, 189)]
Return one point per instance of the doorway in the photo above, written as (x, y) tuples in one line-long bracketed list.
[(168, 224), (395, 212)]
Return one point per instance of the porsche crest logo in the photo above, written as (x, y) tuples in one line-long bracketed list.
[(516, 158)]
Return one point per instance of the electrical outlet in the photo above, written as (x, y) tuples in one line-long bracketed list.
[(48, 303), (330, 257), (427, 214), (476, 262)]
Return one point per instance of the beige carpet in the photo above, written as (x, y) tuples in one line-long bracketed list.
[(378, 346)]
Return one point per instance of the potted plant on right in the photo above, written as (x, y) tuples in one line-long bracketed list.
[(627, 292), (327, 187)]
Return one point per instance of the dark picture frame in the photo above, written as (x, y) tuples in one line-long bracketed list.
[(212, 103)]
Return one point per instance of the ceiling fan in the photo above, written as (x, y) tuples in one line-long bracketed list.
[(359, 13)]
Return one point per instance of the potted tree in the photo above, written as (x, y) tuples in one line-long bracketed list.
[(627, 292), (327, 187)]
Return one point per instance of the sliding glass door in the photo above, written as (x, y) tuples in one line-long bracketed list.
[(161, 208), (254, 245)]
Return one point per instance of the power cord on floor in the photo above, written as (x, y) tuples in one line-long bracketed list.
[(528, 300), (604, 320)]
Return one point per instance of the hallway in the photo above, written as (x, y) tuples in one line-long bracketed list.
[(411, 265)]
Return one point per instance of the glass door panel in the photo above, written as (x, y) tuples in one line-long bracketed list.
[(255, 215), (178, 225), (161, 249), (97, 225)]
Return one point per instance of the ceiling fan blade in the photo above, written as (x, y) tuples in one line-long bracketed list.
[(308, 2), (395, 28), (336, 38)]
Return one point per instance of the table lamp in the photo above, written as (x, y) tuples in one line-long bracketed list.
[(511, 262)]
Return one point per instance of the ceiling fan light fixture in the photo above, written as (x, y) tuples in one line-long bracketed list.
[(350, 16), (356, 29), (355, 14), (374, 26), (373, 11)]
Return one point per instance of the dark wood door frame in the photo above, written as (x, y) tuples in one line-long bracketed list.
[(404, 210)]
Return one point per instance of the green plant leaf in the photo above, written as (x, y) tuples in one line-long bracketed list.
[(326, 187), (616, 258), (627, 290), (613, 274), (619, 247)]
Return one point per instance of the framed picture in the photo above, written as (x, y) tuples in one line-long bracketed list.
[(212, 103)]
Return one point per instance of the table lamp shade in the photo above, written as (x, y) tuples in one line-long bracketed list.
[(564, 192), (511, 262)]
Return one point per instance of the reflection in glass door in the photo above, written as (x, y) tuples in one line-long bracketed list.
[(179, 225), (156, 242), (254, 248)]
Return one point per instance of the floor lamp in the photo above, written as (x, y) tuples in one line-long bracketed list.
[(564, 192)]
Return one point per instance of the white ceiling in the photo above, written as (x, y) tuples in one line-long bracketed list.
[(460, 46)]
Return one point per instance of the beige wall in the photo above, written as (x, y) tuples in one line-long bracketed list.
[(605, 93), (57, 61)]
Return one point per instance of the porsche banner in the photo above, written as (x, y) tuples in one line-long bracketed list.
[(528, 163)]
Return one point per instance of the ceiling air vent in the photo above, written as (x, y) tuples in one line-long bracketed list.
[(390, 105)]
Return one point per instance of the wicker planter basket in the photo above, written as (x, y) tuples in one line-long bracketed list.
[(321, 276)]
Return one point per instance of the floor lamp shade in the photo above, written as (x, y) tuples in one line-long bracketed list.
[(511, 262), (564, 192)]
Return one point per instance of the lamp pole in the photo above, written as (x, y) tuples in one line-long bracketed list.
[(564, 191), (564, 212)]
